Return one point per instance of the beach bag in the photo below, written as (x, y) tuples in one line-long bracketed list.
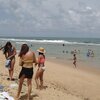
[(7, 63)]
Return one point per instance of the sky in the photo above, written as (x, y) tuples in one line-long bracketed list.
[(53, 18)]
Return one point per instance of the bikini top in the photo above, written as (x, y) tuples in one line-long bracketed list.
[(41, 60)]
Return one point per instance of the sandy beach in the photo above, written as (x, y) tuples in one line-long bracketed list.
[(61, 82)]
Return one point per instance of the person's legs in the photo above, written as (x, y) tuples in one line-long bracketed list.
[(20, 86), (36, 78), (74, 63), (41, 78), (29, 83), (12, 68), (9, 75)]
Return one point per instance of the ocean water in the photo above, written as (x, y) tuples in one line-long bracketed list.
[(61, 48)]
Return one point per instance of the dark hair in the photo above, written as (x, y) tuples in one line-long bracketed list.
[(24, 50), (7, 46), (42, 54)]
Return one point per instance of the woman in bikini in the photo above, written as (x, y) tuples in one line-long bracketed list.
[(41, 68), (10, 53), (27, 58)]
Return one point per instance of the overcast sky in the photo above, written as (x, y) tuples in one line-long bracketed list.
[(66, 18)]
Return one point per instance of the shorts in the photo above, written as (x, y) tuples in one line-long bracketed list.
[(28, 72)]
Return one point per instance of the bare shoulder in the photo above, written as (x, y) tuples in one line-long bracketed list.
[(30, 53)]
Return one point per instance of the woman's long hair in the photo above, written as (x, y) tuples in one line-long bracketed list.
[(7, 47), (24, 50)]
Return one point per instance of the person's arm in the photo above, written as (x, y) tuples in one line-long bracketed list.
[(1, 48), (21, 62), (34, 59), (6, 55), (14, 53)]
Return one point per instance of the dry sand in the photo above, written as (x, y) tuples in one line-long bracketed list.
[(61, 82)]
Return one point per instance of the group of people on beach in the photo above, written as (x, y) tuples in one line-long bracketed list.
[(74, 53), (26, 60)]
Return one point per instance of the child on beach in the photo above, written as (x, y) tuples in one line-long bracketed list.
[(41, 68), (27, 58), (74, 59)]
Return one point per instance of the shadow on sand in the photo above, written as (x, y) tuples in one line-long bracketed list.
[(23, 97)]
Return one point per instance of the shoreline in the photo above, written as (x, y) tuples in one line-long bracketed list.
[(81, 65)]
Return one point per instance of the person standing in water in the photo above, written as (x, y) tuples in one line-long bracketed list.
[(74, 59)]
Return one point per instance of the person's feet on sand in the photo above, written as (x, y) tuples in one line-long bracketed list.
[(37, 87), (8, 78), (11, 79), (40, 87), (17, 98)]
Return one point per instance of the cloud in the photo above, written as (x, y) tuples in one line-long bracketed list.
[(35, 16)]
